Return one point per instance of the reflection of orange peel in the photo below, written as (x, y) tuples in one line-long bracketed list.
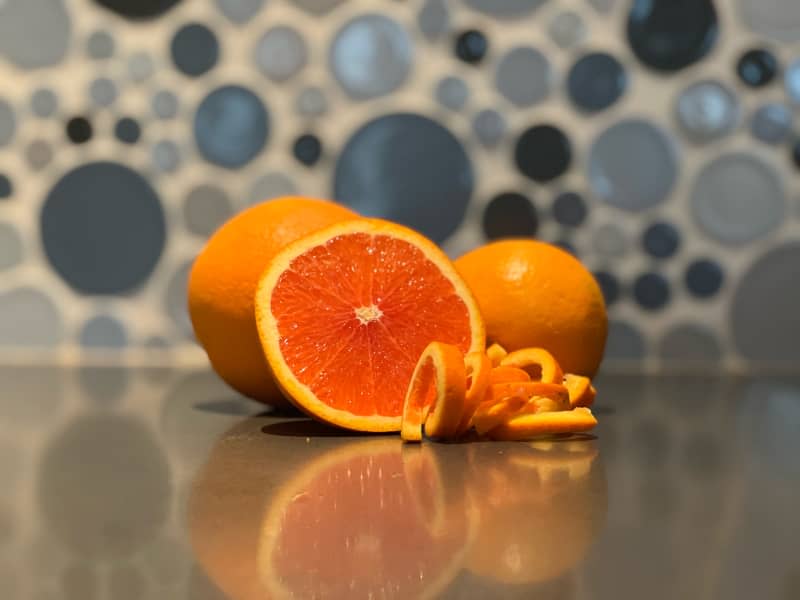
[(423, 476), (524, 427), (537, 362), (581, 390)]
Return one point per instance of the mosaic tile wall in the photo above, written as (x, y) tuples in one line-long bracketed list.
[(653, 138)]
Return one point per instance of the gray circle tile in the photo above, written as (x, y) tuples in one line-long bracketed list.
[(175, 299), (281, 53), (423, 179), (165, 104), (103, 331), (271, 185), (140, 67), (166, 156), (100, 45), (624, 343), (311, 102), (707, 110), (11, 252), (632, 165), (489, 126), (567, 29), (434, 19), (610, 241), (317, 7), (104, 385), (240, 11), (771, 123), (28, 318), (103, 92), (371, 56), (524, 76), (778, 19), (791, 80), (34, 33), (689, 342), (452, 92), (505, 9), (38, 154), (206, 208), (8, 123), (737, 198), (763, 317), (44, 103)]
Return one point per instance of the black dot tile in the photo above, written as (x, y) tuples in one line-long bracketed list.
[(79, 130), (596, 81), (609, 285), (704, 278), (510, 214), (661, 240), (471, 46), (543, 153), (757, 67), (195, 49), (138, 9), (669, 35), (127, 130), (6, 187), (569, 209), (651, 291), (307, 149)]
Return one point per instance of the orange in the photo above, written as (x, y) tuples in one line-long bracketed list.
[(345, 313), (223, 282), (533, 294)]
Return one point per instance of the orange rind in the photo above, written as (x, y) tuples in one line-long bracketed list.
[(525, 427), (537, 362), (581, 390)]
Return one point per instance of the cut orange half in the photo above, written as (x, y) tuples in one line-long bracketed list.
[(345, 313)]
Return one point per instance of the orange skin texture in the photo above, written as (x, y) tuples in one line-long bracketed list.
[(223, 282), (533, 294)]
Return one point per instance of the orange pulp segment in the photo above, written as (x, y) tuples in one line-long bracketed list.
[(581, 390), (531, 425)]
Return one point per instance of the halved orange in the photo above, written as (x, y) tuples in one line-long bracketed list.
[(345, 313)]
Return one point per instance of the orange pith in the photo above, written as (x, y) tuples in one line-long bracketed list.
[(345, 313)]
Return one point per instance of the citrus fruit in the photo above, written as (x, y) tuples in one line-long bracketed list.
[(345, 313), (535, 294), (223, 281)]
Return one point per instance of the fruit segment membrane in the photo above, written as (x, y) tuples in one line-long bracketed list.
[(354, 339)]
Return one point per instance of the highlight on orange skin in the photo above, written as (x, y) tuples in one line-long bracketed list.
[(537, 362)]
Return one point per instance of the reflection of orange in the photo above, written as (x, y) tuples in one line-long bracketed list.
[(540, 508)]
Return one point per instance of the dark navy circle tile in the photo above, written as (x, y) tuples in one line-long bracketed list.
[(103, 228), (651, 291), (307, 149), (543, 153), (661, 240), (407, 168), (569, 209), (669, 35), (471, 46), (6, 187), (127, 130), (757, 67), (596, 81), (195, 49), (566, 246), (510, 214), (138, 9), (79, 130), (609, 285), (704, 278)]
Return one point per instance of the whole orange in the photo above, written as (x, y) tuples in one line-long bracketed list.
[(534, 294), (223, 282)]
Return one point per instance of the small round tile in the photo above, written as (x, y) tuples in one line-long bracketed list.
[(311, 102), (281, 53), (271, 185), (240, 11), (165, 104), (140, 67), (771, 123), (596, 81), (569, 209), (44, 103), (35, 33), (137, 10), (307, 149), (763, 316), (632, 165), (524, 76), (127, 130), (489, 126), (757, 67), (452, 92), (703, 278), (423, 179), (661, 240), (567, 29), (791, 81), (510, 214), (103, 92), (795, 152), (195, 49), (737, 198), (777, 19), (166, 156), (231, 126), (206, 208), (371, 56), (624, 342), (29, 318), (707, 110), (6, 187), (505, 9), (610, 241), (471, 46), (317, 7), (103, 331), (8, 123), (651, 291), (38, 154), (11, 251), (100, 45), (434, 19), (669, 35), (689, 342), (79, 130), (543, 153), (609, 285)]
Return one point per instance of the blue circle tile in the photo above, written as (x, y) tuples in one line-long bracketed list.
[(195, 49), (689, 342), (771, 123), (136, 10), (757, 67), (452, 92), (127, 130), (609, 285), (471, 46), (103, 331), (6, 187), (567, 246), (625, 342), (543, 153), (651, 291), (510, 214), (704, 278), (44, 103), (661, 240), (596, 81), (8, 123), (100, 45), (569, 209)]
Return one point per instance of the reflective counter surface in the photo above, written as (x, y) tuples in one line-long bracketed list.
[(163, 484)]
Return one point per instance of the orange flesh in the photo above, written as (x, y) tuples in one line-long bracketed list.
[(354, 340)]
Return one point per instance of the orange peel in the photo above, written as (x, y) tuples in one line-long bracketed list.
[(478, 368), (528, 426), (581, 390), (529, 389), (537, 362), (508, 375), (496, 353)]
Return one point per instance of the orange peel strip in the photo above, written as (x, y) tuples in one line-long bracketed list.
[(581, 390), (435, 396), (508, 375), (537, 362), (506, 400), (529, 389), (496, 353), (525, 427), (494, 413), (478, 369)]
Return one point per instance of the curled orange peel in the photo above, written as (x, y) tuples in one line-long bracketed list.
[(496, 353), (529, 426), (508, 375), (537, 362), (478, 369), (581, 390)]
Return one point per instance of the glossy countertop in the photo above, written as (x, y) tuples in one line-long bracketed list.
[(154, 483)]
